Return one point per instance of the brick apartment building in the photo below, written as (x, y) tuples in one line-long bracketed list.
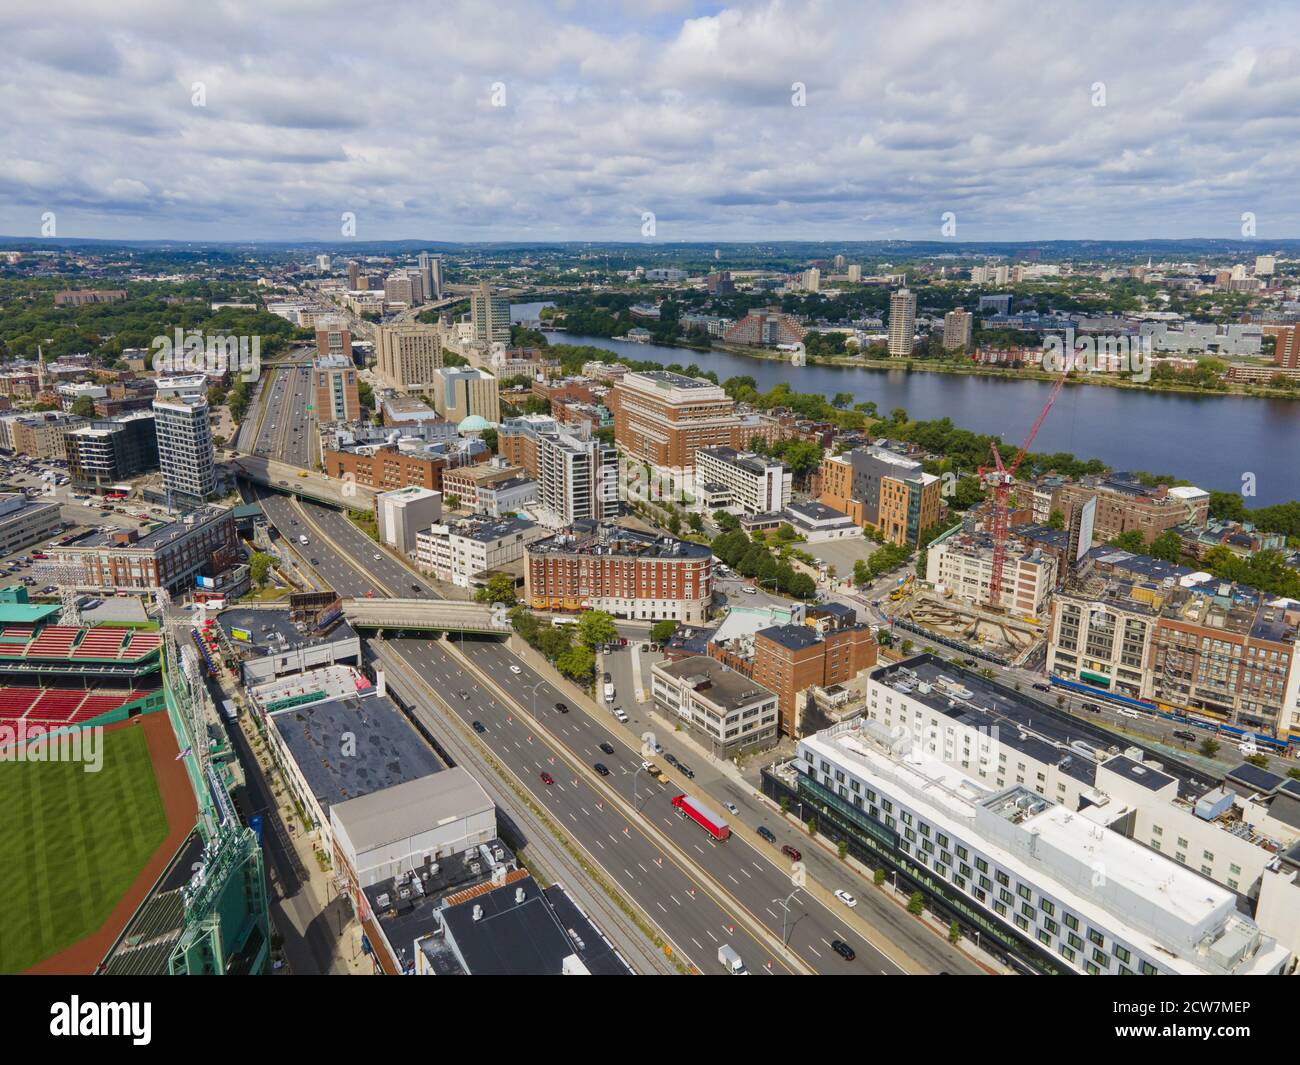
[(386, 468), (661, 417), (766, 329), (625, 573), (1125, 504), (878, 487)]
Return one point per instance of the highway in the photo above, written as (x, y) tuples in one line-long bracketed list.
[(670, 894), (756, 875), (700, 901)]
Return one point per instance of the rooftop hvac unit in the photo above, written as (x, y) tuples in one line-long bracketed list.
[(519, 896), (478, 912), (383, 901)]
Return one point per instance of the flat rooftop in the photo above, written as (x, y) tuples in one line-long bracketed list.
[(388, 751), (720, 685), (274, 630), (155, 538)]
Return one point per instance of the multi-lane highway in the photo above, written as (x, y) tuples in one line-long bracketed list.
[(698, 892)]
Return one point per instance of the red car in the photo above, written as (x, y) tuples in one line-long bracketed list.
[(547, 778), (791, 852)]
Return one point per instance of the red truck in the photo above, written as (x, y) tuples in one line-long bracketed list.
[(711, 822)]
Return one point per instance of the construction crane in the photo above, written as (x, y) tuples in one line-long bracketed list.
[(999, 479)]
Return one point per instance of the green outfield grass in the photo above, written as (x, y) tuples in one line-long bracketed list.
[(71, 842)]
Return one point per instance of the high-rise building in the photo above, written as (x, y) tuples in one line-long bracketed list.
[(490, 315), (662, 417), (812, 279), (766, 328), (354, 275), (855, 272), (957, 329), (322, 264), (576, 474), (902, 322), (333, 338), (1265, 265), (462, 391), (408, 356), (334, 389), (398, 289), (108, 451), (185, 449), (1287, 352), (431, 273)]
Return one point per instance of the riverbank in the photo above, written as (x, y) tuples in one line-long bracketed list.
[(1102, 380)]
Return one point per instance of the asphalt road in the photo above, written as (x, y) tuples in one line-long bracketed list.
[(753, 873), (669, 894)]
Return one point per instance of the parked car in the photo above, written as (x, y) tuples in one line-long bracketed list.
[(686, 770), (731, 807), (845, 898), (1092, 708), (766, 833), (1040, 687), (792, 853), (671, 759), (1184, 734)]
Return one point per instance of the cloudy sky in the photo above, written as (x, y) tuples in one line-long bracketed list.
[(571, 120)]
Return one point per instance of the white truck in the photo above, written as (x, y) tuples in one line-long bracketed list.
[(609, 691), (303, 540), (730, 961)]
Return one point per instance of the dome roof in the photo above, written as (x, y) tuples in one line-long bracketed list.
[(475, 423)]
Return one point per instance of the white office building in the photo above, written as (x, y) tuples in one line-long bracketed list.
[(465, 551), (185, 450), (741, 482), (1091, 899)]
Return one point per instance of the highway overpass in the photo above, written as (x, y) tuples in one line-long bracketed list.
[(288, 478), (427, 615)]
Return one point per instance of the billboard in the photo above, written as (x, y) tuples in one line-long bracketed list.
[(1087, 517), (241, 634)]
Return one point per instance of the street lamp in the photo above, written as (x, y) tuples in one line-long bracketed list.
[(785, 913), (533, 689)]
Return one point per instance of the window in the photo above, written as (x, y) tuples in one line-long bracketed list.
[(1123, 953), (1070, 921), (1047, 906), (1096, 937)]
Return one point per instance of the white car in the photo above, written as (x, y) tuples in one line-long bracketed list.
[(845, 898), (731, 808), (379, 558), (749, 589), (515, 670)]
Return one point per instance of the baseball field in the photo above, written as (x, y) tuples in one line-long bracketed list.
[(72, 843)]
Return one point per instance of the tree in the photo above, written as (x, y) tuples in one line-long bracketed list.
[(83, 407), (662, 631), (803, 586), (1166, 546), (812, 825), (726, 522), (596, 627), (916, 904), (577, 663), (954, 933), (553, 641), (696, 522), (500, 588), (1130, 541), (452, 502), (259, 567), (878, 877), (1208, 748), (1258, 760), (1056, 520), (842, 849)]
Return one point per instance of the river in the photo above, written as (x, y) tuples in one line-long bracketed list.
[(1213, 441)]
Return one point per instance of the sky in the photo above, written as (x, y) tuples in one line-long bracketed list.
[(648, 120)]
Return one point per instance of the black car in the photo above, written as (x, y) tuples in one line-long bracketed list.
[(608, 748), (1092, 708), (1184, 734), (843, 950), (766, 833), (562, 707), (601, 768), (415, 588), (671, 759), (477, 726), (1042, 687), (686, 770)]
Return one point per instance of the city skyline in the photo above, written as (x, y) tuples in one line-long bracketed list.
[(740, 122)]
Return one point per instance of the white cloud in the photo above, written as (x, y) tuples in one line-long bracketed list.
[(312, 109)]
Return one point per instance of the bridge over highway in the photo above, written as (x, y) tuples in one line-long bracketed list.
[(428, 615), (288, 478)]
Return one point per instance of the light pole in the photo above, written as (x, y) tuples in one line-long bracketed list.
[(785, 913), (634, 776), (533, 689)]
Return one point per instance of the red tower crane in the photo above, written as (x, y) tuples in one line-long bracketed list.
[(1000, 478)]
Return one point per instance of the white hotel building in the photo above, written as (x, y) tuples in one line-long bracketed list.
[(740, 482), (1092, 899)]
